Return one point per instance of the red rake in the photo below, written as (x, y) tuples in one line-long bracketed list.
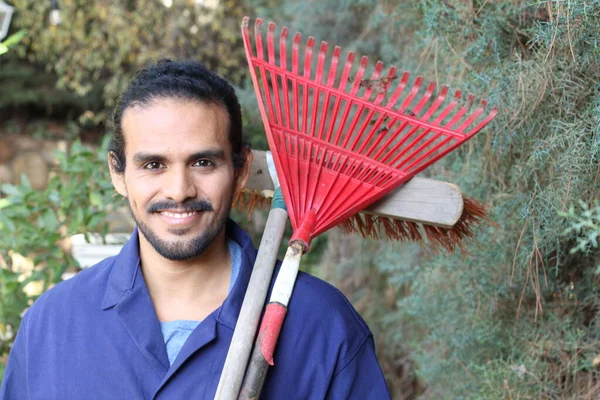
[(340, 144)]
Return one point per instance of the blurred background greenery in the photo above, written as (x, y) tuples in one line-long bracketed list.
[(516, 318)]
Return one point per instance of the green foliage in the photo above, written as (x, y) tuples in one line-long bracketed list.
[(99, 46), (585, 223), (34, 224), (518, 318), (11, 41)]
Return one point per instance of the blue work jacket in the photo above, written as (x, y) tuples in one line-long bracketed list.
[(97, 336)]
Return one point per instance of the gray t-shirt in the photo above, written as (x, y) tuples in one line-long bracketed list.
[(176, 332)]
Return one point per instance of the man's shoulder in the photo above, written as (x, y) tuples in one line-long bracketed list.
[(321, 329), (320, 304), (81, 290)]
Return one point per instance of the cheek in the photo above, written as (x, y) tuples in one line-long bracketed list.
[(140, 191), (219, 189)]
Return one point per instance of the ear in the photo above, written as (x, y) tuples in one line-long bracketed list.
[(242, 174), (117, 178)]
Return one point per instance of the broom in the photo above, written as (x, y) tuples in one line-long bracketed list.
[(423, 210), (338, 149)]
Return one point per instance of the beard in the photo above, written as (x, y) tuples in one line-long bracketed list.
[(184, 249)]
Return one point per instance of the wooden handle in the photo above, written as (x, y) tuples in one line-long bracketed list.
[(421, 200), (254, 300), (255, 378)]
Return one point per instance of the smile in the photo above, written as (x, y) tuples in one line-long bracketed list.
[(179, 215)]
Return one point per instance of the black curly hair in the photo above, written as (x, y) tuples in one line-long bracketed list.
[(189, 80)]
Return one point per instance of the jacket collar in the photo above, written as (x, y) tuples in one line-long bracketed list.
[(126, 268)]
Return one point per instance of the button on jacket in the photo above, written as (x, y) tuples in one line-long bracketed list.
[(97, 336)]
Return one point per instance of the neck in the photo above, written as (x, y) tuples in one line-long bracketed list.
[(190, 289)]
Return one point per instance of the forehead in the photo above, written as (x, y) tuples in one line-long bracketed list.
[(176, 126)]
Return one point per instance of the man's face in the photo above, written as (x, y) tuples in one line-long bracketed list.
[(179, 177)]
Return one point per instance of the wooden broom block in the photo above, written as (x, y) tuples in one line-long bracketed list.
[(420, 200)]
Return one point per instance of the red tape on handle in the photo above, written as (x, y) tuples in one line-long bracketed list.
[(270, 328)]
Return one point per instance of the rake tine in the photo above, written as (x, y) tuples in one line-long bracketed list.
[(347, 105), (448, 108), (284, 81), (413, 92), (271, 54), (246, 33), (321, 62), (463, 110), (368, 83), (425, 98), (357, 114), (483, 123), (320, 160), (263, 74), (399, 90), (292, 170), (307, 64), (436, 104), (359, 75), (472, 117), (295, 49), (330, 82), (317, 94)]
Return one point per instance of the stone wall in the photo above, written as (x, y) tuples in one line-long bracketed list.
[(20, 154), (30, 156)]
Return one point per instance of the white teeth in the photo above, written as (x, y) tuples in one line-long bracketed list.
[(178, 215)]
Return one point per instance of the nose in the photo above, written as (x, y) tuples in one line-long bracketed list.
[(179, 185)]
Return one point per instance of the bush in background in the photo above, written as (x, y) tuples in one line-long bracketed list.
[(519, 317), (35, 227)]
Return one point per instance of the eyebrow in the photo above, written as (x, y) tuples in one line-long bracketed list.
[(142, 158)]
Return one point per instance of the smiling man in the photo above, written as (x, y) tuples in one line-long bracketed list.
[(156, 321)]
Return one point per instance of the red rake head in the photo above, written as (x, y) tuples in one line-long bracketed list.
[(339, 144)]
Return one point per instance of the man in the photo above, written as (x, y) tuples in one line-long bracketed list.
[(156, 321)]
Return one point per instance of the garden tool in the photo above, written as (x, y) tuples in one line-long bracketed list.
[(338, 146)]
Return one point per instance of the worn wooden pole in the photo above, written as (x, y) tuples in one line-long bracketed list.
[(422, 200), (233, 371)]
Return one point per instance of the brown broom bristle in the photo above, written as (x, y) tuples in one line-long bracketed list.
[(435, 237), (247, 200), (373, 226)]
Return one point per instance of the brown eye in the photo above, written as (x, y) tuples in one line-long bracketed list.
[(153, 165), (204, 163)]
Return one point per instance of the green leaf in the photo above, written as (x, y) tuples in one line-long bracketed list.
[(80, 217), (14, 38), (49, 220), (3, 49), (95, 199), (5, 203), (25, 181), (7, 222), (10, 190)]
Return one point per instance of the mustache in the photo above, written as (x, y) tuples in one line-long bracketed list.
[(187, 206)]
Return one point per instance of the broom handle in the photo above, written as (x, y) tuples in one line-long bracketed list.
[(264, 347), (254, 299)]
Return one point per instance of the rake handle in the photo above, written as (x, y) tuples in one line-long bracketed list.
[(256, 293), (264, 347), (262, 355)]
